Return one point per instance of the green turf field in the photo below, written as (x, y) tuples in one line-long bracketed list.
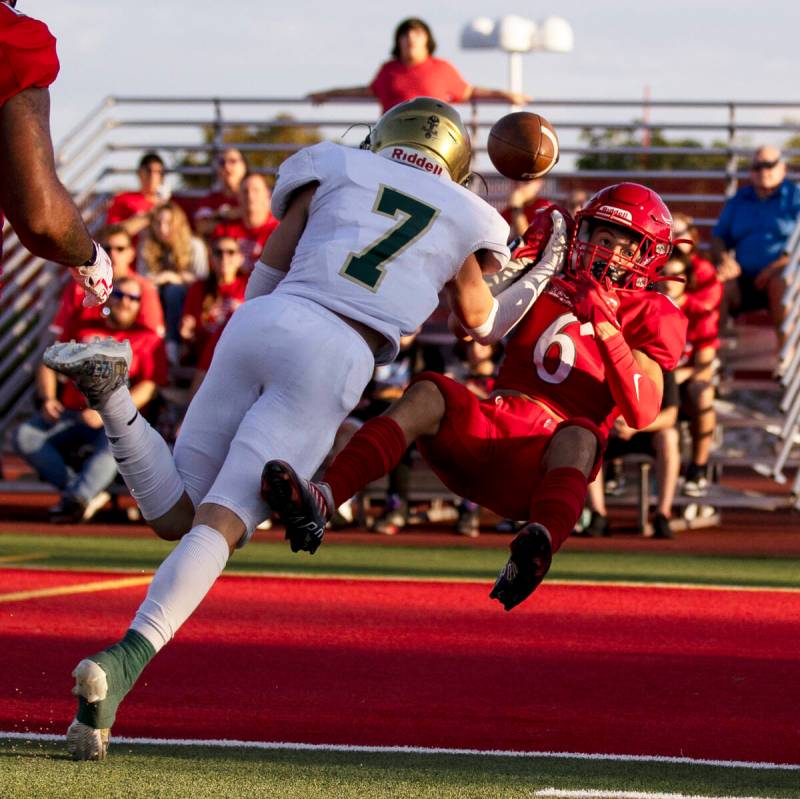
[(41, 770), (363, 560)]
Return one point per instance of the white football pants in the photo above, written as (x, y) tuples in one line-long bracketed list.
[(285, 373)]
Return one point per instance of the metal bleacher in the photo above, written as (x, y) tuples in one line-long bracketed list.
[(98, 157)]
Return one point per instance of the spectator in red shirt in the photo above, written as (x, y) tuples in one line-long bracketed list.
[(64, 440), (414, 72), (210, 303), (72, 315), (133, 209), (38, 206), (257, 223), (224, 203)]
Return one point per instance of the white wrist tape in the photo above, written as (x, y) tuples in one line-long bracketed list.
[(263, 280)]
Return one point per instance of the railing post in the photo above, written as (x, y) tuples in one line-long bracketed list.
[(732, 167), (219, 133), (473, 126)]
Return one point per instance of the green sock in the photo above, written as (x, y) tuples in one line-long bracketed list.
[(122, 663)]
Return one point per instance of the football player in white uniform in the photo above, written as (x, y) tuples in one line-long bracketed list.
[(368, 238)]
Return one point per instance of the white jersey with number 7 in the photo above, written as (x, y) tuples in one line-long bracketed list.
[(383, 238)]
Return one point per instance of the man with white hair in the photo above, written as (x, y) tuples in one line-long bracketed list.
[(749, 239)]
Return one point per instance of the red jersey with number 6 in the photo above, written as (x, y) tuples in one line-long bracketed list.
[(554, 358)]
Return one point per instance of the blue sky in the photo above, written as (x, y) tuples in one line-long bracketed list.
[(702, 50)]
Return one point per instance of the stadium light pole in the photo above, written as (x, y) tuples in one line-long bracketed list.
[(517, 35)]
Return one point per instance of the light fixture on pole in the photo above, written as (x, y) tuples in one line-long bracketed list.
[(515, 36)]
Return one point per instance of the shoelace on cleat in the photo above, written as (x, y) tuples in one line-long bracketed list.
[(319, 499)]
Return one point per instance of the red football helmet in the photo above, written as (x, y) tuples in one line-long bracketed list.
[(637, 213)]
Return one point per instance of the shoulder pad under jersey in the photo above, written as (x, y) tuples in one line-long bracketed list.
[(653, 324), (297, 170)]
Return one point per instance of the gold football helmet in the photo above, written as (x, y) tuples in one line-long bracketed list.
[(430, 126)]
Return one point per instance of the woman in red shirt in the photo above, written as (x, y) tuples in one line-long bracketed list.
[(414, 72)]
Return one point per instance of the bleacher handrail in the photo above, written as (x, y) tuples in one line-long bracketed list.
[(100, 147)]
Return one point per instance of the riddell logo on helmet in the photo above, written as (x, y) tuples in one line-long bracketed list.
[(416, 159), (614, 214)]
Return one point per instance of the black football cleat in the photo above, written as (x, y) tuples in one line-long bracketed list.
[(302, 506), (531, 555)]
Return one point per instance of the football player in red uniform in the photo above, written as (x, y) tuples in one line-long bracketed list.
[(38, 206), (591, 348)]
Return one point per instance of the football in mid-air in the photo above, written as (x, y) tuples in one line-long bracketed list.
[(523, 146)]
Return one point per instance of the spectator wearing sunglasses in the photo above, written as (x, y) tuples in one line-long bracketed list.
[(132, 209), (64, 440), (71, 314), (223, 204), (210, 303), (749, 239)]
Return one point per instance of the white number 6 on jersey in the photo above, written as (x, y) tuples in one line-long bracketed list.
[(555, 337)]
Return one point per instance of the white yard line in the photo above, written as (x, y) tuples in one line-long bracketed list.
[(556, 793), (422, 750)]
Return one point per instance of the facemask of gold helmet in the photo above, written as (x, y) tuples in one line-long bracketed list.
[(430, 127)]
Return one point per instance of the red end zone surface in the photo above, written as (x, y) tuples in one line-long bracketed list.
[(695, 673)]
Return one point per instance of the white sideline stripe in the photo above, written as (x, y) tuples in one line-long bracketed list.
[(223, 743), (555, 793)]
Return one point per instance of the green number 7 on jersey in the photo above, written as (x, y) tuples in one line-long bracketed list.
[(368, 267)]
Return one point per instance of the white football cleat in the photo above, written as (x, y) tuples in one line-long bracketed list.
[(85, 742), (98, 367)]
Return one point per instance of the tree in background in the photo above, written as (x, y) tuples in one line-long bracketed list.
[(607, 138), (283, 131), (792, 143)]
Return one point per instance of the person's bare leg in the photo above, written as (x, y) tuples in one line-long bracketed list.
[(419, 411), (597, 495), (668, 467), (777, 310)]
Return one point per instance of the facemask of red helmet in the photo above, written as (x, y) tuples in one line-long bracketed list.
[(622, 237)]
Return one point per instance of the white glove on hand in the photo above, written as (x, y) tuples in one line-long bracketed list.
[(511, 304), (530, 250), (555, 252), (95, 277)]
